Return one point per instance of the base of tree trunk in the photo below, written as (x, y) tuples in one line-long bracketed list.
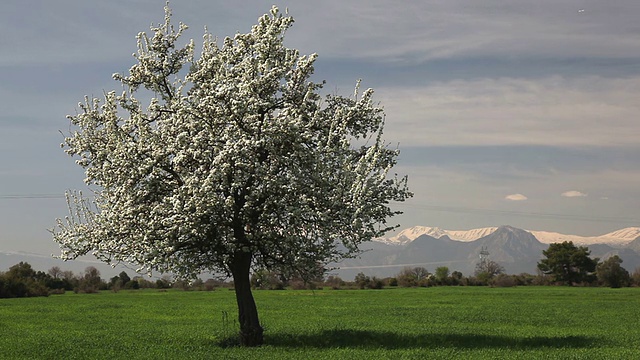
[(250, 329), (252, 337)]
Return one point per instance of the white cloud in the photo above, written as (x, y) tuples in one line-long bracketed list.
[(516, 197), (554, 111), (573, 193)]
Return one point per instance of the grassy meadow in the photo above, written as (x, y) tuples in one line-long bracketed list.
[(420, 323)]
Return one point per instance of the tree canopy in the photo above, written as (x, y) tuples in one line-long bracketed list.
[(611, 273), (568, 264), (236, 161)]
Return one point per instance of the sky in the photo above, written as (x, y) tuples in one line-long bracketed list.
[(521, 113)]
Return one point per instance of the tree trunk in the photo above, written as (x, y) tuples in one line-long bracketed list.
[(250, 329)]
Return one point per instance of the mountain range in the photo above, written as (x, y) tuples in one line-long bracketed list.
[(517, 250), (617, 238)]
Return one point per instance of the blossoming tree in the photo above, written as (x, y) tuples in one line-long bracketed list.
[(225, 161)]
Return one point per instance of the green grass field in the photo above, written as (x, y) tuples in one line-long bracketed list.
[(422, 323)]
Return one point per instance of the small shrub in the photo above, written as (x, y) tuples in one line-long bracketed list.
[(132, 285), (88, 289), (503, 280), (335, 282), (209, 286), (427, 282), (298, 283), (412, 277), (483, 278), (163, 284), (361, 280), (56, 291), (375, 283)]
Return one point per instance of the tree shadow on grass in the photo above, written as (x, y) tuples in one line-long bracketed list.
[(341, 338)]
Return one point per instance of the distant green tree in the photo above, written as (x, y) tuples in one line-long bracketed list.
[(335, 282), (22, 281), (139, 282), (365, 282), (568, 264), (22, 270), (124, 277), (55, 272), (56, 284), (54, 279), (611, 273), (375, 283), (91, 281), (164, 282), (488, 269), (410, 277), (132, 284), (442, 275), (457, 278), (115, 283), (361, 280)]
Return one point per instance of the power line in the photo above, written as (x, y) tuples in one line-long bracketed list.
[(31, 196), (398, 265), (484, 211)]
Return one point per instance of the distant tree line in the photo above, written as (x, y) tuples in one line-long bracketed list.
[(21, 280), (562, 264), (568, 264)]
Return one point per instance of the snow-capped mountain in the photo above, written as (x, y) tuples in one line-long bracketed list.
[(410, 234), (617, 238), (630, 234), (470, 235)]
